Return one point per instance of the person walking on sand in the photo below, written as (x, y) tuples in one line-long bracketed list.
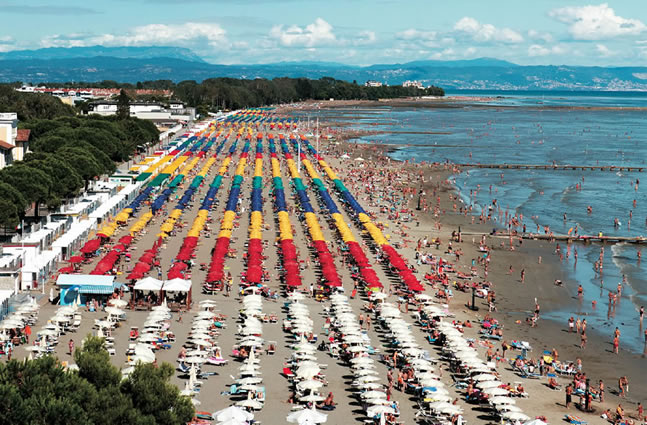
[(569, 395), (571, 324), (523, 275), (583, 340), (70, 346), (601, 390)]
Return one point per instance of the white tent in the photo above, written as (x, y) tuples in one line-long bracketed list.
[(148, 284), (177, 285)]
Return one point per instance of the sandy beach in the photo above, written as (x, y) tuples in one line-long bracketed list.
[(380, 184)]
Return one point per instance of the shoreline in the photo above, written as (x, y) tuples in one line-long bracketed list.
[(515, 302)]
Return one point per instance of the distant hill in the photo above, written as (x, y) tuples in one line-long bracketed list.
[(55, 53), (132, 64)]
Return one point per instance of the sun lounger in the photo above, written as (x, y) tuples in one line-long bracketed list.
[(574, 420)]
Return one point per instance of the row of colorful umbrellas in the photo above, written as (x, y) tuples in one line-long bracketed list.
[(254, 273), (217, 266), (325, 258), (292, 273)]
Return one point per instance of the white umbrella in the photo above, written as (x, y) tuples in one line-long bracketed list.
[(508, 408), (48, 332), (516, 416), (118, 303), (194, 359), (307, 416), (502, 400), (379, 410), (496, 391), (310, 384), (373, 394), (251, 403), (250, 381), (449, 410), (484, 377), (312, 398), (488, 384), (307, 371), (233, 412), (439, 405)]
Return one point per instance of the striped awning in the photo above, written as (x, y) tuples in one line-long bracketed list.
[(96, 289)]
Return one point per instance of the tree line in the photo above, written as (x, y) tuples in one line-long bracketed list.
[(41, 391), (67, 152), (229, 93)]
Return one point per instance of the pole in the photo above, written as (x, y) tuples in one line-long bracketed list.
[(299, 155), (317, 137), (586, 395)]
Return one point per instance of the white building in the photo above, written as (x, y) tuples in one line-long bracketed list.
[(416, 84), (8, 133), (372, 83)]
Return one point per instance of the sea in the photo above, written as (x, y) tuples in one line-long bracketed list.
[(580, 128)]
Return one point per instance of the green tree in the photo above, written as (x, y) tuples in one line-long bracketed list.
[(123, 105), (32, 183)]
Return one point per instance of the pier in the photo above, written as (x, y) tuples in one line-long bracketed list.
[(555, 167), (566, 238)]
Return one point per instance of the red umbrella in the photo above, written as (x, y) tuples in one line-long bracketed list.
[(67, 269), (134, 276), (254, 274), (126, 240), (119, 247), (76, 259), (91, 246), (175, 274)]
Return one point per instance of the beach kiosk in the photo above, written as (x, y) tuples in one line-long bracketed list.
[(86, 287), (177, 293), (146, 293)]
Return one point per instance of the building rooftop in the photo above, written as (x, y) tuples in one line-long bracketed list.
[(5, 145), (23, 135)]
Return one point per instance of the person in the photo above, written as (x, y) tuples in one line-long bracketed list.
[(583, 338), (640, 411), (616, 345), (569, 395), (328, 403), (601, 390), (70, 345), (620, 411), (571, 324)]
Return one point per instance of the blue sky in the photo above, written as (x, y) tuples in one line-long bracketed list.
[(349, 31)]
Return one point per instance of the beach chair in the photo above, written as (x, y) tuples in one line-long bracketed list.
[(575, 420)]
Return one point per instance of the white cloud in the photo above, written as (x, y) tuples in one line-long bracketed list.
[(416, 35), (319, 33), (596, 22), (448, 53), (538, 50), (154, 34), (541, 36), (603, 50), (486, 32), (364, 38)]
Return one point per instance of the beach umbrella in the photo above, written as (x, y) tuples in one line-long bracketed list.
[(233, 412), (484, 377), (119, 303), (251, 403), (195, 360), (310, 384), (250, 381), (508, 408), (307, 371), (502, 400), (307, 416), (449, 410), (373, 394), (488, 384), (439, 405), (515, 416), (379, 410), (369, 386), (312, 398), (496, 391), (368, 378)]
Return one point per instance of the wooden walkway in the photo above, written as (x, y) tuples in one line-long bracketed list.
[(567, 238), (555, 167)]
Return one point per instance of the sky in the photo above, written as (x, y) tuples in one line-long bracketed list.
[(357, 32)]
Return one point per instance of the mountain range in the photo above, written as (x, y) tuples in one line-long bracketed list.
[(132, 64)]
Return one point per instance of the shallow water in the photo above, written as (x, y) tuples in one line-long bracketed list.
[(525, 132)]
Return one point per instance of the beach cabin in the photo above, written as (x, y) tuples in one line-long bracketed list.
[(87, 286)]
